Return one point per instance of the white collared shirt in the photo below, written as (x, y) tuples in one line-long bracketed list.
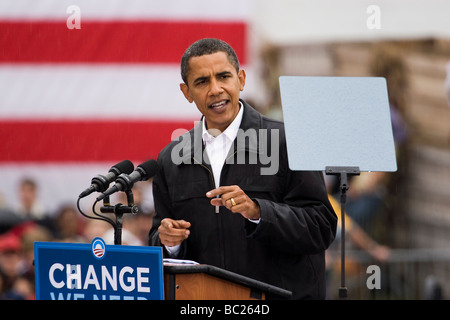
[(217, 148)]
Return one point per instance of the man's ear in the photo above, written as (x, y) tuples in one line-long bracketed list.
[(241, 77), (185, 89)]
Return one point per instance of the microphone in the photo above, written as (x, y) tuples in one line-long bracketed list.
[(100, 183), (125, 182)]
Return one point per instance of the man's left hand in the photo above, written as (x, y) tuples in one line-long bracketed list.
[(236, 201)]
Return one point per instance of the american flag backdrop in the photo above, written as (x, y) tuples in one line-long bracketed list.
[(74, 102)]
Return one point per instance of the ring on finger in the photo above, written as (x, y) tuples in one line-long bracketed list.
[(233, 203)]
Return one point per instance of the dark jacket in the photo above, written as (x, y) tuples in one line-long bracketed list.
[(287, 247)]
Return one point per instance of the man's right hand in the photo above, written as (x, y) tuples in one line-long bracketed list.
[(173, 232)]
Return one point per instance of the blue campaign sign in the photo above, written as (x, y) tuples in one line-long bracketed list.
[(96, 271)]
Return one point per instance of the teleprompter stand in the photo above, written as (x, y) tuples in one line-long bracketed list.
[(118, 210), (342, 124), (342, 173)]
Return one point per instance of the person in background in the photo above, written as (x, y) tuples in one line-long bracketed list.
[(68, 226), (17, 277), (29, 207)]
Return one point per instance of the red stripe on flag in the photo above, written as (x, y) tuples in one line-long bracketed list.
[(73, 141), (111, 41)]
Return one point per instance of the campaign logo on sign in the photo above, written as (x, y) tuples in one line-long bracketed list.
[(98, 248)]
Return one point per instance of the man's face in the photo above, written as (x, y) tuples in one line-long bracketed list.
[(28, 195), (214, 85)]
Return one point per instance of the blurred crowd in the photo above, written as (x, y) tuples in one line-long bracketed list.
[(29, 221)]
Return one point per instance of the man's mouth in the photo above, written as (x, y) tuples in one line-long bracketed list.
[(218, 106)]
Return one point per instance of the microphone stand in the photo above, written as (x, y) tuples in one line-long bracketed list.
[(118, 210)]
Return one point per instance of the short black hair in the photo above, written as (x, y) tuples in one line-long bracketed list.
[(204, 47)]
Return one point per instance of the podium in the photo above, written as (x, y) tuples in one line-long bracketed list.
[(206, 282)]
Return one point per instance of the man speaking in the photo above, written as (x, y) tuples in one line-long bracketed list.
[(224, 194)]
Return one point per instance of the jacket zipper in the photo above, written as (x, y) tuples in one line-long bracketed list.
[(218, 216), (210, 175)]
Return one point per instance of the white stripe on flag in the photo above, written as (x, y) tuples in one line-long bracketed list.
[(93, 91)]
